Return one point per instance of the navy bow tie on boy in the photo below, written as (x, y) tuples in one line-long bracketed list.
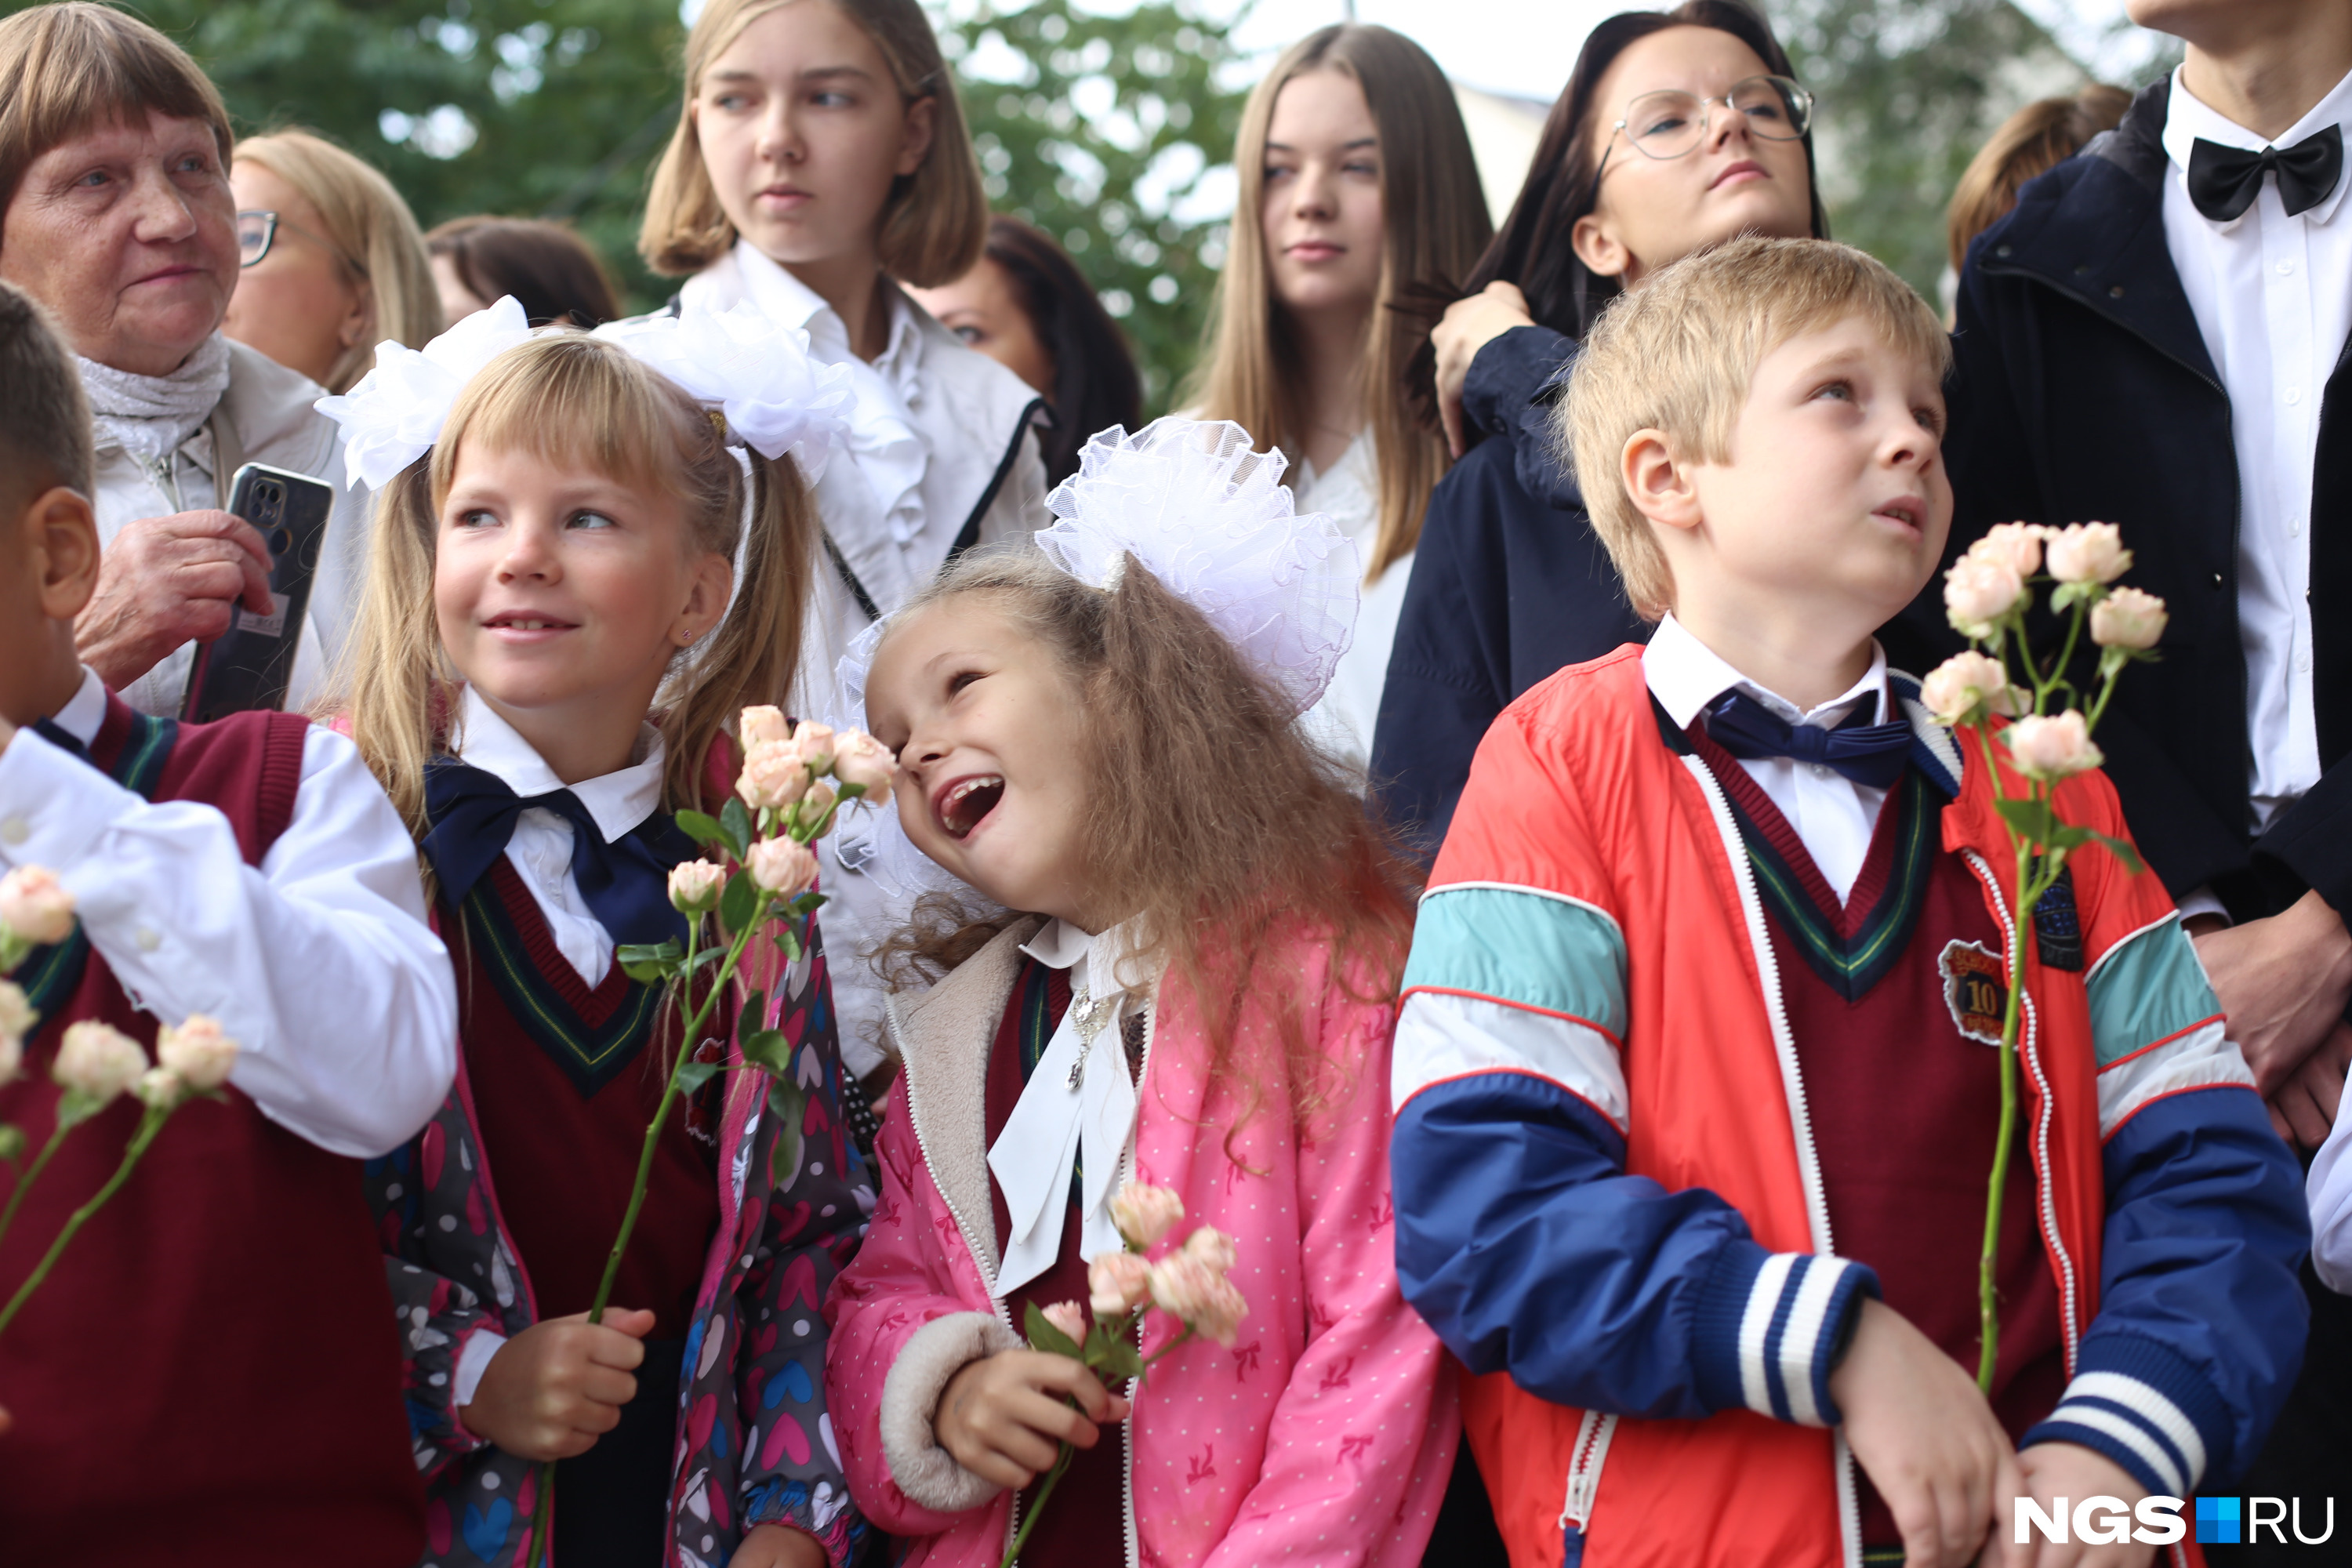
[(625, 882), (2224, 181), (1870, 754)]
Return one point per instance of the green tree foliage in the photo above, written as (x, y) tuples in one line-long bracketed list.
[(1103, 132)]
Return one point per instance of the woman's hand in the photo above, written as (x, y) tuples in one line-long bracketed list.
[(778, 1546), (166, 581), (556, 1387), (1467, 326), (1002, 1418)]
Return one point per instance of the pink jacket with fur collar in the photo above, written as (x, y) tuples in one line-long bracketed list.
[(1324, 1435)]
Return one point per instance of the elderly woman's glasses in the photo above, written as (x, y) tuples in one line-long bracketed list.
[(258, 230), (1671, 123)]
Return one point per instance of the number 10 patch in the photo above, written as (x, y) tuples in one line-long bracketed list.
[(1975, 990)]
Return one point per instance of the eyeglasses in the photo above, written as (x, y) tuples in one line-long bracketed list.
[(1672, 123), (257, 231)]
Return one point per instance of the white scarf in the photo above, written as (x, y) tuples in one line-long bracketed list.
[(1033, 1157), (150, 417)]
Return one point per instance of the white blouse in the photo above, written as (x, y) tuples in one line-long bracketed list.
[(1350, 494)]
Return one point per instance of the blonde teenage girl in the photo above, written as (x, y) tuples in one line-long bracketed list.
[(1353, 157), (1099, 731), (820, 160), (553, 637)]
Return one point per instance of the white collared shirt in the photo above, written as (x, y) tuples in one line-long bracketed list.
[(1833, 816), (541, 849), (2273, 298), (319, 962)]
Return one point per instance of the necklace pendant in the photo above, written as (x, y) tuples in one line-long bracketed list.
[(1078, 1070)]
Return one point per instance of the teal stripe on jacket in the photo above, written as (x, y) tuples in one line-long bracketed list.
[(2148, 988), (1524, 947)]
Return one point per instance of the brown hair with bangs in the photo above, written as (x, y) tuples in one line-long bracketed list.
[(936, 219), (1208, 819), (1678, 353), (67, 69), (580, 401), (1434, 221)]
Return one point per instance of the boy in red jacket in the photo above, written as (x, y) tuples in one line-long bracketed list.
[(1696, 1097)]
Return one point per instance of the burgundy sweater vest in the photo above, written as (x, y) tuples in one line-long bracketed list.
[(1894, 1003), (211, 1374)]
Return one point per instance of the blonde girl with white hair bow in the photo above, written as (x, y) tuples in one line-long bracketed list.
[(590, 552)]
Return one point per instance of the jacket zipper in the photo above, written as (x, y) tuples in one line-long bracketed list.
[(1135, 1386), (1808, 1168), (1585, 1460)]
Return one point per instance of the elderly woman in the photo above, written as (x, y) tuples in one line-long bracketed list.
[(116, 213)]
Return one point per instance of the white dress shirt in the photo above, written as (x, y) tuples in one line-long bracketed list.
[(2273, 299), (319, 962), (541, 849), (1833, 816), (1348, 493)]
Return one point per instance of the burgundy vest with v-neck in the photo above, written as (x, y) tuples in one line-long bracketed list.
[(565, 1162), (1887, 997), (210, 1375)]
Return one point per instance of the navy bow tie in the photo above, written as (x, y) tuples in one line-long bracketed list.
[(625, 882), (1871, 754), (2224, 181)]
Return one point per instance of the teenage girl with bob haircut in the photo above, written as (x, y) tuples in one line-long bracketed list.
[(1353, 156), (573, 589), (819, 162)]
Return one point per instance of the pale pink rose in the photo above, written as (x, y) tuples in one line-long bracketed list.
[(12, 1054), (160, 1088), (859, 759), (1979, 591), (1954, 688), (1144, 1213), (2051, 746), (1205, 1299), (695, 887), (760, 726), (773, 776), (782, 866), (1068, 1317), (35, 906), (2016, 544), (2127, 617), (17, 1015), (815, 804), (2088, 552), (1211, 1247), (197, 1051), (1118, 1283), (98, 1059), (815, 742)]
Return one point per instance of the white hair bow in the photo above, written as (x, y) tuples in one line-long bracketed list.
[(758, 373)]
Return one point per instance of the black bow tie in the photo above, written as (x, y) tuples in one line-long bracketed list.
[(2224, 181), (625, 882), (1871, 754)]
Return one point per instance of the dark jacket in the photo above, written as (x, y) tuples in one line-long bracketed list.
[(2084, 392), (1509, 584)]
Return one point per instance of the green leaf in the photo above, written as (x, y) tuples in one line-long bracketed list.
[(788, 942), (647, 974), (2068, 594), (2033, 820), (736, 822), (667, 951), (770, 1049), (2123, 851), (850, 792), (808, 904), (707, 957), (739, 904), (1045, 1336), (788, 1106), (76, 1107), (12, 1143), (703, 829), (692, 1076), (749, 1017), (1120, 1359)]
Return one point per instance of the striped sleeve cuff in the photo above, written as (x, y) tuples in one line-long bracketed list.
[(2144, 1406), (1770, 1327)]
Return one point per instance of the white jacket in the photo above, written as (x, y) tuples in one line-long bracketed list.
[(981, 481), (267, 415)]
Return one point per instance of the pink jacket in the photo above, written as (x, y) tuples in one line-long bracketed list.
[(1324, 1435)]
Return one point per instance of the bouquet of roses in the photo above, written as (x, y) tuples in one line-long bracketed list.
[(95, 1063), (1987, 595), (783, 803), (1189, 1284)]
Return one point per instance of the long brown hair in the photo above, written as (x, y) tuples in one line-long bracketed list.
[(581, 402), (1209, 817), (2034, 141), (936, 219), (1435, 221)]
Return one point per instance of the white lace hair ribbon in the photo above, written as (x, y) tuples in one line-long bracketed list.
[(758, 373), (1210, 517)]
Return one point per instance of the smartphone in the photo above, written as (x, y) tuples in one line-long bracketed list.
[(249, 665)]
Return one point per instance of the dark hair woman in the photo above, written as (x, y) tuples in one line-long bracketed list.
[(1678, 130), (551, 272), (1027, 306)]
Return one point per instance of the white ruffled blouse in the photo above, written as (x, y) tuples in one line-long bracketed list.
[(1349, 492)]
